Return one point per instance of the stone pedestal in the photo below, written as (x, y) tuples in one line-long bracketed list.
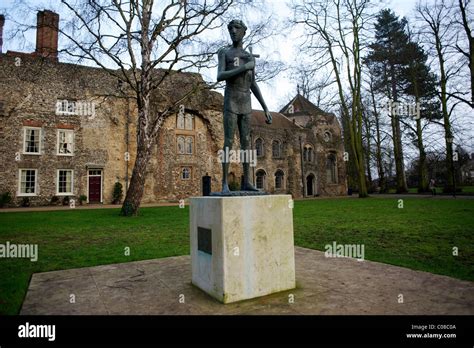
[(242, 247)]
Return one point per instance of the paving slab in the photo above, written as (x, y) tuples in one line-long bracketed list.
[(325, 286)]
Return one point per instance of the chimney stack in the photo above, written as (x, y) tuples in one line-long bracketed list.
[(47, 34), (2, 22)]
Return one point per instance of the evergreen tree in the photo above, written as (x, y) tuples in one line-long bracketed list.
[(387, 61), (421, 84)]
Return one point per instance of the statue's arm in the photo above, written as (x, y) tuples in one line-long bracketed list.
[(256, 92), (223, 74)]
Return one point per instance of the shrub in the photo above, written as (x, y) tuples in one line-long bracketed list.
[(5, 199), (82, 198), (54, 200), (117, 194), (25, 202), (66, 200)]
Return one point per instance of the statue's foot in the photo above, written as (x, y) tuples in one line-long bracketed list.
[(225, 189), (249, 187)]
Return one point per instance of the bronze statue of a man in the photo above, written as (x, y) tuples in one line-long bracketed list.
[(237, 68)]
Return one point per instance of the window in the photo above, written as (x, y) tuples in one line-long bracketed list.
[(64, 186), (180, 121), (185, 145), (327, 136), (189, 145), (259, 147), (180, 141), (261, 178), (65, 142), (308, 153), (276, 149), (188, 122), (27, 182), (279, 179), (32, 140), (331, 169), (185, 173), (184, 121)]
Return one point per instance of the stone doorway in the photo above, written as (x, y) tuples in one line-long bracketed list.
[(94, 186), (310, 185)]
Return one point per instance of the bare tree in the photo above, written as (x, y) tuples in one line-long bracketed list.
[(377, 122), (147, 43), (315, 85), (465, 21), (334, 30), (437, 34)]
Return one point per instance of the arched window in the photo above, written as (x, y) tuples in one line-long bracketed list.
[(261, 179), (180, 121), (279, 176), (276, 149), (259, 147), (327, 136), (180, 141), (186, 173), (189, 145), (188, 122), (308, 153), (331, 172)]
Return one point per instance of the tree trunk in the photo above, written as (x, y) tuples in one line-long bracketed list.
[(470, 40), (367, 149), (135, 191), (422, 170), (356, 134), (446, 121), (378, 146), (397, 141), (132, 201), (352, 173)]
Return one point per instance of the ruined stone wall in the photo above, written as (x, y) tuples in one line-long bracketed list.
[(30, 88)]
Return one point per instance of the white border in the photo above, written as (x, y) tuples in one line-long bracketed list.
[(72, 183), (57, 142), (19, 193), (25, 128)]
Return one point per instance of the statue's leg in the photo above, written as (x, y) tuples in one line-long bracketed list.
[(230, 123), (244, 130)]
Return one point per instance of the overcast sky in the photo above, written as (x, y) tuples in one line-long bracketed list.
[(277, 91)]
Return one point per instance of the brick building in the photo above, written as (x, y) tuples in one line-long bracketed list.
[(68, 130)]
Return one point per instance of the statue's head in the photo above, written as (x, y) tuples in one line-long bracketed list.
[(237, 30)]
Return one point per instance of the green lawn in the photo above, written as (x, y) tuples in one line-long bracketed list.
[(439, 190), (419, 236)]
